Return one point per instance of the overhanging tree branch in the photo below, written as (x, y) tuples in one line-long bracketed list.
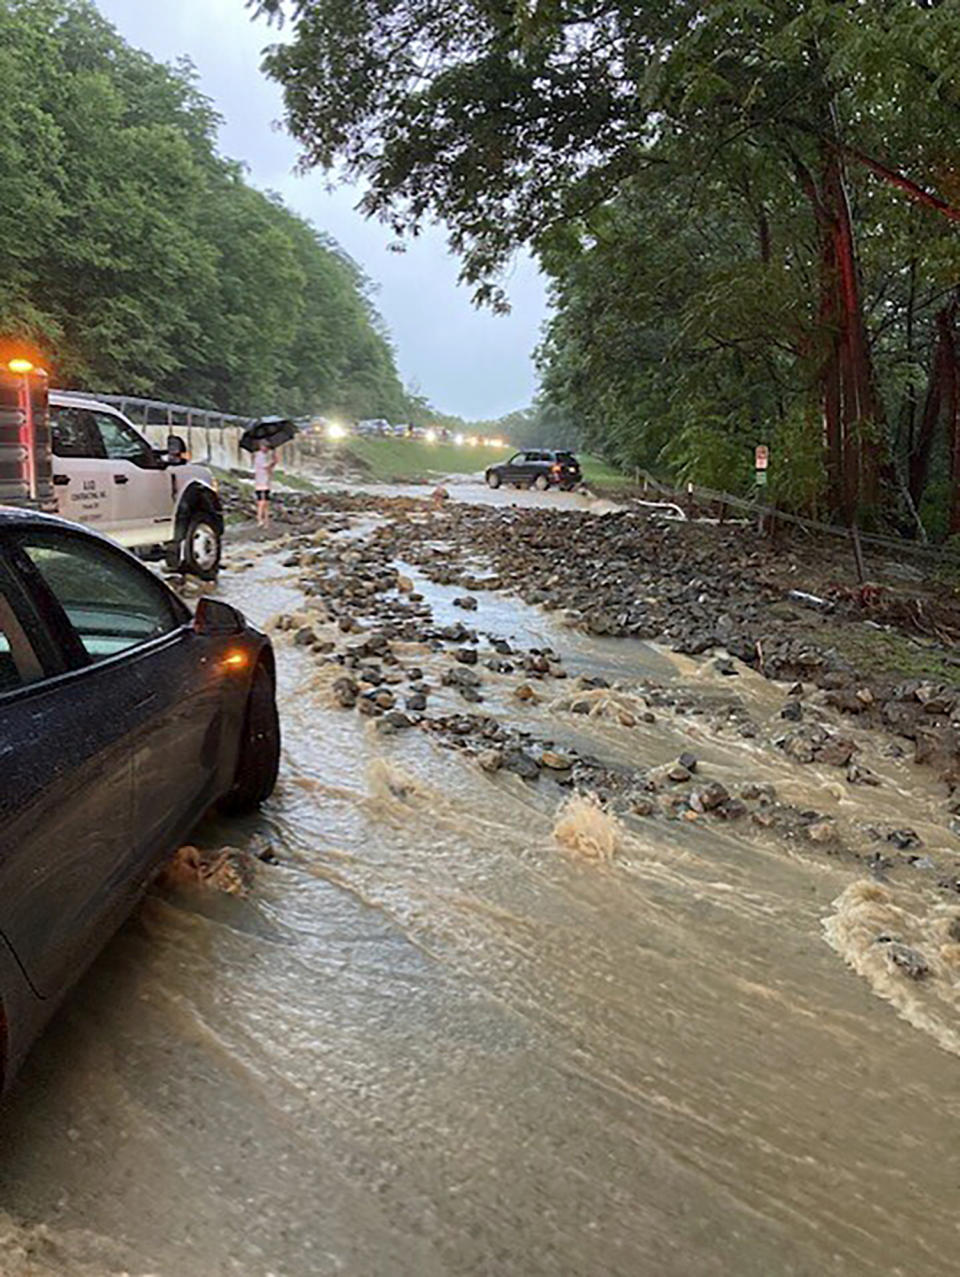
[(893, 176)]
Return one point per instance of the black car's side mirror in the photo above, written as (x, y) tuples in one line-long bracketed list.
[(214, 618)]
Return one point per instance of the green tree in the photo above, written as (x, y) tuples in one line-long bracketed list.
[(142, 260), (519, 122)]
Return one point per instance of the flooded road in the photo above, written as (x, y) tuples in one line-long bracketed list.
[(468, 1024), (471, 489)]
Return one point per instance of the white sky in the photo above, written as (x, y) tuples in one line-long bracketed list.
[(466, 361)]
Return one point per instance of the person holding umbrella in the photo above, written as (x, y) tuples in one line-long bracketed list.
[(261, 439), (264, 460)]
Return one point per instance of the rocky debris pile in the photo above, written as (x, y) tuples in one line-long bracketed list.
[(226, 869), (355, 589), (620, 574), (905, 959), (378, 635)]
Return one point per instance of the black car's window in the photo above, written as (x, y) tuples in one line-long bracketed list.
[(74, 433), (536, 456), (18, 661), (112, 602), (9, 671), (121, 442), (517, 457)]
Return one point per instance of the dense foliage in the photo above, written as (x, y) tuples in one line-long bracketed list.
[(748, 209), (143, 261)]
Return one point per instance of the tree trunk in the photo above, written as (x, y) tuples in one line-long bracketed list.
[(941, 398), (951, 395), (851, 410), (910, 402), (830, 389), (859, 410)]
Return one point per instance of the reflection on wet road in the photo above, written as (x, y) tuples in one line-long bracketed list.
[(440, 1039)]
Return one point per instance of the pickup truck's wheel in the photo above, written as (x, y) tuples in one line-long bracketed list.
[(259, 758), (541, 483), (201, 548), (493, 479)]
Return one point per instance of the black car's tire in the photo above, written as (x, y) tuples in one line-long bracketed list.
[(541, 483), (493, 479), (259, 758), (201, 548)]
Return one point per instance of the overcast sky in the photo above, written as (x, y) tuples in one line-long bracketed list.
[(465, 361)]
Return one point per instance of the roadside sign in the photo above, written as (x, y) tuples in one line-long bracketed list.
[(761, 478), (762, 456)]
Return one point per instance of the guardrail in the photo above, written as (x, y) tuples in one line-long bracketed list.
[(173, 414)]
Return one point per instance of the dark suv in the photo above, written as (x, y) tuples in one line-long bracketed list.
[(537, 469)]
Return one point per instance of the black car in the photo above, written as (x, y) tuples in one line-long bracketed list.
[(122, 720), (537, 469)]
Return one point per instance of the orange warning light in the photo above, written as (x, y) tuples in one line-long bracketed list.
[(235, 660), (20, 366)]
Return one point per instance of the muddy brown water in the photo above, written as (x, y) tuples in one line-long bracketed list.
[(463, 1027)]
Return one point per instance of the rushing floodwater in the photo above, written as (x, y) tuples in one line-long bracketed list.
[(447, 1035)]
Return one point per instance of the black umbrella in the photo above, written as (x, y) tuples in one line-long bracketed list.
[(275, 430)]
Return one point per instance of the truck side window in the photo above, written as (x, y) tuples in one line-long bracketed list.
[(122, 442), (74, 433)]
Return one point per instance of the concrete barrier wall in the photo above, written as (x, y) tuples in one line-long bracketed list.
[(220, 446), (212, 438)]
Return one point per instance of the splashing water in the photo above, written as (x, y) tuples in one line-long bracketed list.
[(588, 832), (864, 928)]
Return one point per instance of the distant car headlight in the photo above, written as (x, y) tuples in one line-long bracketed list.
[(336, 431)]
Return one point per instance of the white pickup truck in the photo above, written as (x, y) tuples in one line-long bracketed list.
[(107, 475)]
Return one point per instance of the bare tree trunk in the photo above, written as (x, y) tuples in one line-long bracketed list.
[(830, 390), (860, 410), (763, 235), (951, 389), (851, 409), (910, 405), (850, 406), (941, 394)]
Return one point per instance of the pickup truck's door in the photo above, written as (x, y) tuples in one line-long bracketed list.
[(143, 503), (81, 478)]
